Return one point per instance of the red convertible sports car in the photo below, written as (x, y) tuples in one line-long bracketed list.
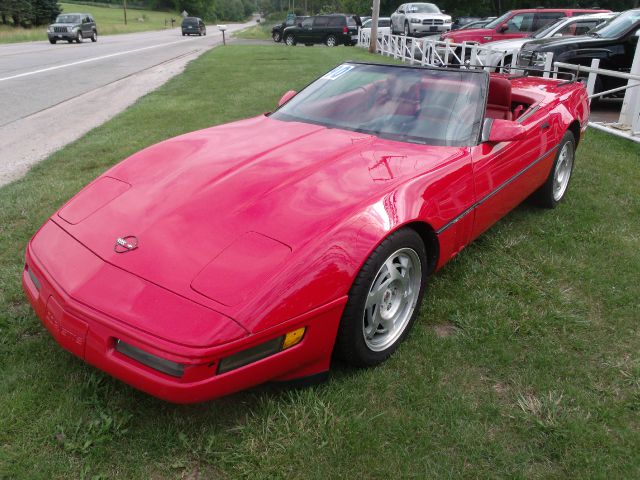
[(255, 251)]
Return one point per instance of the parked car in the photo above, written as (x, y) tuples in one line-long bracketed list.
[(193, 26), (462, 21), (276, 31), (566, 27), (515, 24), (384, 26), (419, 19), (73, 27), (254, 251), (332, 30), (477, 23), (613, 42)]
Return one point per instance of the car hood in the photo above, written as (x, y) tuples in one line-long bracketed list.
[(217, 213), (562, 43), (513, 44), (442, 16), (471, 33)]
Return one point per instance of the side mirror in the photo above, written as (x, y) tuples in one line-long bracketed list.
[(286, 97), (496, 131), (503, 28)]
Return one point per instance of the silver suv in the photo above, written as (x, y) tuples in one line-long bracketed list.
[(73, 27), (418, 19)]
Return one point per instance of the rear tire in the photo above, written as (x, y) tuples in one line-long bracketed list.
[(331, 41), (555, 187), (384, 300)]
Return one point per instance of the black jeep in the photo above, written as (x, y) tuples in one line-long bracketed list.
[(332, 30), (276, 31)]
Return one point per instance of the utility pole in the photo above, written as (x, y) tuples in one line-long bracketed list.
[(125, 11), (375, 13)]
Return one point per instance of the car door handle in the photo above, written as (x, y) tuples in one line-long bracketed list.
[(544, 126)]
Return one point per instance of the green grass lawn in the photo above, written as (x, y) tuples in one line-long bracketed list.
[(109, 21), (261, 31), (524, 363)]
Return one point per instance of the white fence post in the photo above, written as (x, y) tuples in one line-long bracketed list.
[(413, 51), (630, 113), (591, 80), (548, 64)]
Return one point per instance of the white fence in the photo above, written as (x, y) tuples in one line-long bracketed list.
[(431, 51)]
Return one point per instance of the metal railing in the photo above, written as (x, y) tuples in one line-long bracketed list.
[(628, 124), (432, 51)]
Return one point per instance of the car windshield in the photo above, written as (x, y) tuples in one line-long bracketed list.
[(497, 21), (69, 18), (618, 25), (422, 8), (545, 31), (419, 105)]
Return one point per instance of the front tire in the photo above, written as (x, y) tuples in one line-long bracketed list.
[(290, 40), (79, 37), (383, 301), (555, 187), (276, 37), (406, 29), (52, 41), (94, 37)]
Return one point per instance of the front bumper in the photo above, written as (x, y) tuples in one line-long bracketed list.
[(421, 29), (92, 335), (62, 35)]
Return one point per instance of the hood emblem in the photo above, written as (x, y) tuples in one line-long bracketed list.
[(125, 244)]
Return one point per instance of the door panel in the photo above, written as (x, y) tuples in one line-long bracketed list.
[(508, 172)]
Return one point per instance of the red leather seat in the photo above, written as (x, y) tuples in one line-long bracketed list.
[(499, 103)]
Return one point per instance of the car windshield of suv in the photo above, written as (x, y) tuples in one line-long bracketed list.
[(418, 105), (69, 19), (382, 22), (618, 25), (497, 21), (422, 8)]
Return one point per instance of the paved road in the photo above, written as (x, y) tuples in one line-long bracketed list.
[(37, 75), (50, 95)]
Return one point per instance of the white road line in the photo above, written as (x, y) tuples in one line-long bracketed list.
[(87, 60)]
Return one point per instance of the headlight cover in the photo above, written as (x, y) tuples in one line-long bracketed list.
[(538, 59), (416, 20)]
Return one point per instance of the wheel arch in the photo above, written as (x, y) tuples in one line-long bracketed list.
[(430, 240), (574, 127)]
